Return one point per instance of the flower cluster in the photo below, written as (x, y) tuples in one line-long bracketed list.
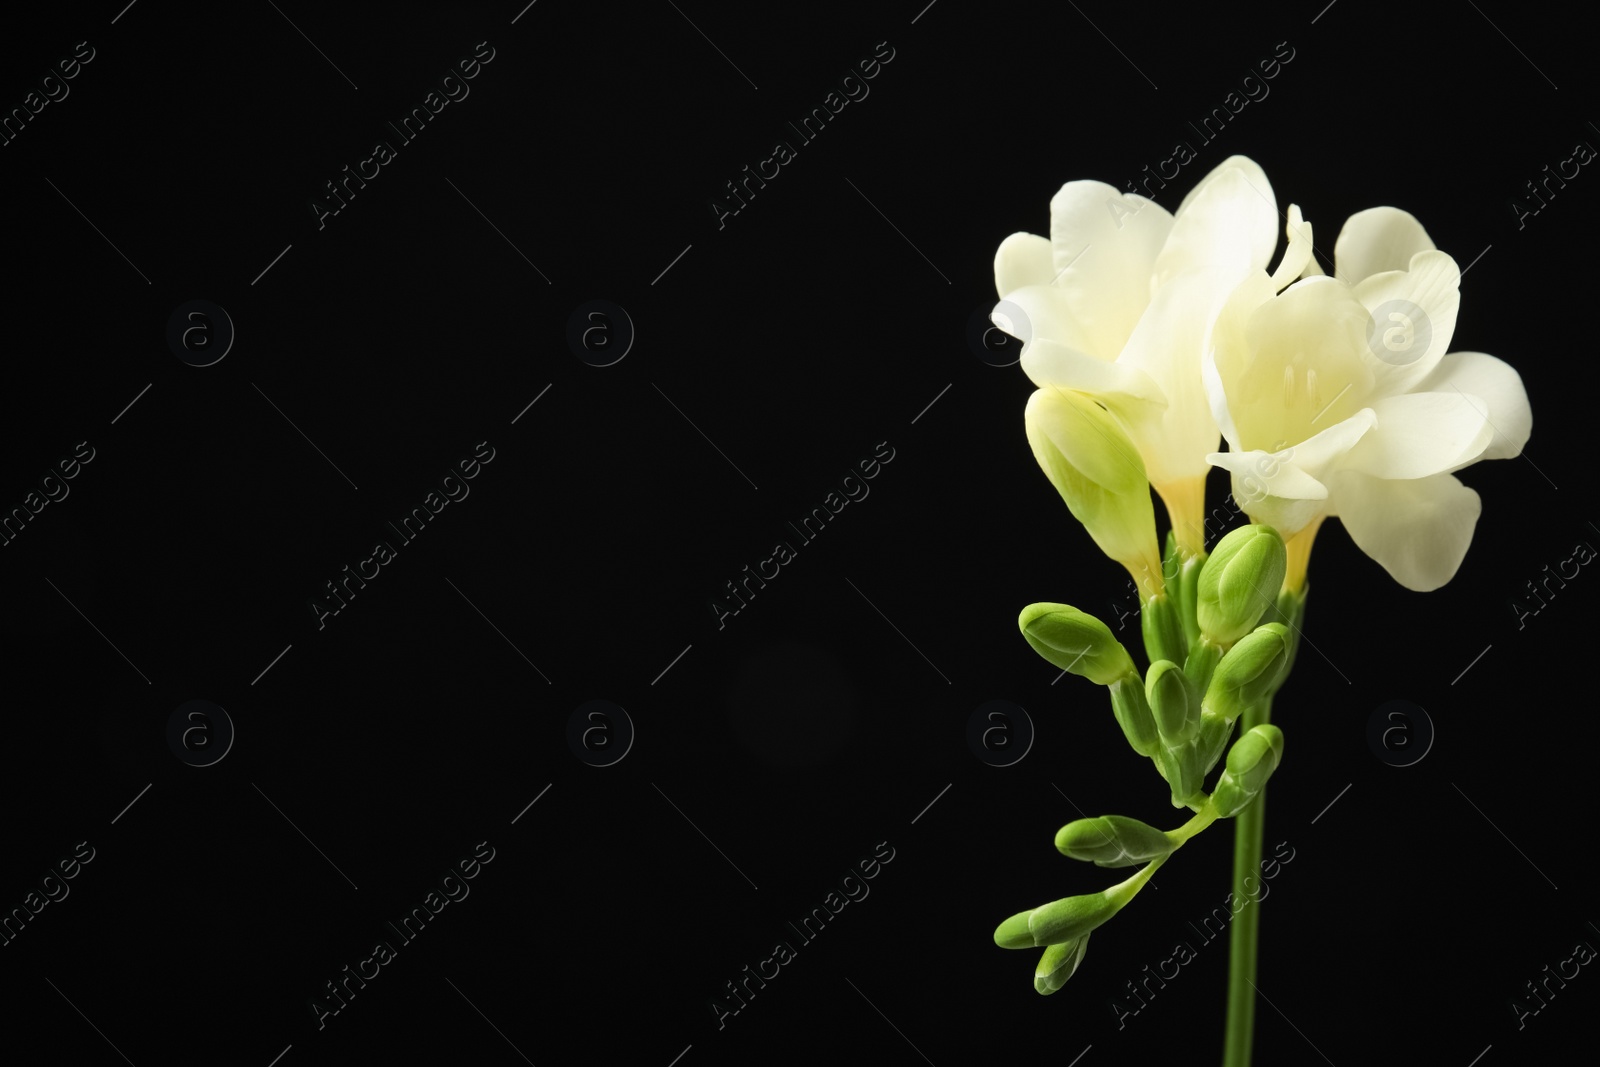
[(1153, 334)]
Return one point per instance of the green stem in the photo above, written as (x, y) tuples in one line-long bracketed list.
[(1242, 937)]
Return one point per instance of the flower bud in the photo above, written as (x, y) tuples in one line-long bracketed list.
[(1097, 470), (1075, 641), (1251, 761), (1173, 702), (1133, 714), (1058, 964), (1239, 581), (1161, 622), (1185, 770), (1112, 841), (1249, 672), (1071, 917)]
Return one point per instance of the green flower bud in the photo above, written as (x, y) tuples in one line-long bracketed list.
[(1188, 586), (1204, 655), (1112, 841), (1133, 714), (1249, 672), (1213, 739), (1014, 932), (1097, 470), (1059, 963), (1161, 622), (1173, 701), (1251, 761), (1075, 641), (1291, 611), (1071, 917), (1239, 582), (1185, 770)]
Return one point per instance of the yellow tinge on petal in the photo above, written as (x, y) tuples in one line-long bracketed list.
[(1094, 466)]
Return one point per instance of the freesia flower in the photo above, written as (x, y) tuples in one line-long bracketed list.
[(1116, 305), (1336, 398)]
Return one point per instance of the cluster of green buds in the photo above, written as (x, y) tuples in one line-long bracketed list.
[(1220, 639)]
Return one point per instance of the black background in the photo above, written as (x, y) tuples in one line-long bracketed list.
[(827, 715)]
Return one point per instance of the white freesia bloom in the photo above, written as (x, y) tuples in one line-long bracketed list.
[(1118, 302), (1337, 399)]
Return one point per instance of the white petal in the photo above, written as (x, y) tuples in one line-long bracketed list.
[(1421, 434), (1414, 315), (1376, 240), (1499, 386), (1022, 259), (1103, 246), (1230, 222), (1297, 254), (1418, 529), (1167, 345), (1036, 312), (1273, 490), (1228, 350), (1048, 363)]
